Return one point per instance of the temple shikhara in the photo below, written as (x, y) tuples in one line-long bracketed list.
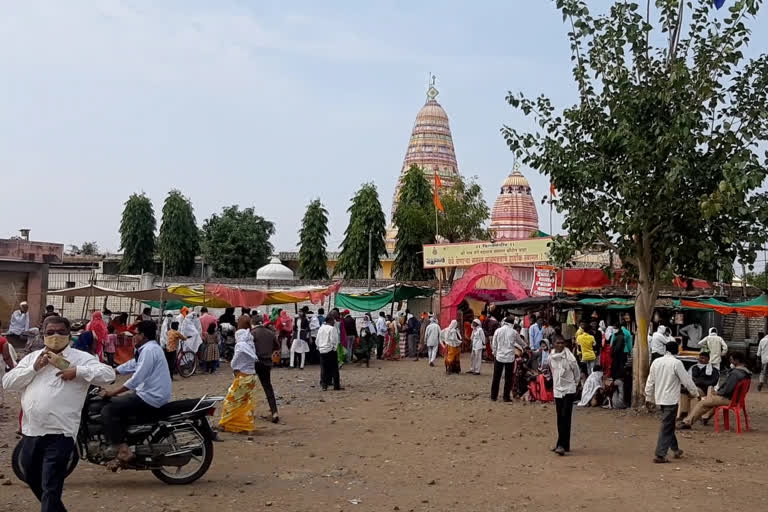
[(514, 215)]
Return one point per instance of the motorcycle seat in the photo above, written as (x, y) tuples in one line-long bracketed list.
[(178, 407)]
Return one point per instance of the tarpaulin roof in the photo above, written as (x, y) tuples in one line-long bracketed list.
[(377, 299), (91, 290), (250, 297), (756, 307)]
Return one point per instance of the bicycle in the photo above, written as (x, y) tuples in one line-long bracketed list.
[(186, 362)]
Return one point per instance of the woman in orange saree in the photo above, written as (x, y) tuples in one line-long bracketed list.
[(451, 341)]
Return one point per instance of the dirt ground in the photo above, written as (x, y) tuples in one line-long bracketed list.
[(403, 436)]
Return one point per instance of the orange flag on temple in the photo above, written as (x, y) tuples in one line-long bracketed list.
[(438, 184), (552, 191)]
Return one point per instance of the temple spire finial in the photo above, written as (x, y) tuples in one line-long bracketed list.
[(432, 91)]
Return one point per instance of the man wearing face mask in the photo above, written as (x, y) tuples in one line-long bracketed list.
[(53, 383), (151, 384)]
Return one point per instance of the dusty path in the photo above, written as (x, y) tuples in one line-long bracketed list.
[(404, 436)]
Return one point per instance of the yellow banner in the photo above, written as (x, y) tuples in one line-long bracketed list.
[(533, 250)]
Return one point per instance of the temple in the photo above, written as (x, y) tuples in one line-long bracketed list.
[(514, 215), (431, 148)]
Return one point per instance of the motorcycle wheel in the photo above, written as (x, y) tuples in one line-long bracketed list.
[(16, 462), (186, 364), (171, 477)]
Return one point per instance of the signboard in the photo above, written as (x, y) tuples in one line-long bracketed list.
[(529, 251), (544, 282)]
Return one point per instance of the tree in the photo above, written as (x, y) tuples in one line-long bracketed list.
[(137, 235), (179, 239), (87, 249), (464, 216), (313, 258), (658, 159), (414, 219), (366, 218), (757, 279), (236, 242)]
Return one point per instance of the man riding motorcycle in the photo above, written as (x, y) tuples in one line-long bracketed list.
[(151, 384)]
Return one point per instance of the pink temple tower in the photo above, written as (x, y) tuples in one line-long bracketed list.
[(514, 215)]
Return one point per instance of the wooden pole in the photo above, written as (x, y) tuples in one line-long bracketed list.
[(439, 295)]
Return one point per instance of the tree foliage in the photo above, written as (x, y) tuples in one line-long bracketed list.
[(87, 249), (415, 222), (313, 258), (179, 239), (137, 235), (757, 279), (236, 242), (659, 158), (365, 216)]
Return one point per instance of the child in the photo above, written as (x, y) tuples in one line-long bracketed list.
[(174, 336), (109, 346), (478, 347), (211, 348)]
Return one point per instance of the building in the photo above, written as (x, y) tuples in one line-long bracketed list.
[(514, 215), (24, 276), (431, 148)]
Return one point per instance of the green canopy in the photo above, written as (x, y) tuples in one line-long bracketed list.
[(377, 299), (170, 305), (613, 303)]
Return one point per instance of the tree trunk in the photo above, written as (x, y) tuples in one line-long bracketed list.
[(644, 305)]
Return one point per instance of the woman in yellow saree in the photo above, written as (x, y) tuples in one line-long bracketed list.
[(451, 341), (239, 413)]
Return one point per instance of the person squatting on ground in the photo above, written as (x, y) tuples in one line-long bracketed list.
[(53, 383), (565, 377), (666, 376)]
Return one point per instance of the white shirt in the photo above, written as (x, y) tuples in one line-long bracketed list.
[(503, 345), (381, 326), (244, 359), (19, 322), (693, 332), (658, 343), (478, 339), (432, 335), (52, 405), (327, 339), (664, 380), (565, 373), (762, 350), (716, 347), (314, 325), (150, 380)]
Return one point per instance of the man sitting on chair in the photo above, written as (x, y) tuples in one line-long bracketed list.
[(723, 397), (705, 376)]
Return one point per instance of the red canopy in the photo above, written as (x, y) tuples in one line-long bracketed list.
[(253, 297)]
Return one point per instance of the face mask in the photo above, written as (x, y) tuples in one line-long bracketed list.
[(733, 365), (56, 342)]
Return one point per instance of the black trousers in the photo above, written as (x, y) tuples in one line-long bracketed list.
[(508, 370), (114, 415), (655, 356), (379, 346), (330, 373), (667, 437), (170, 358), (264, 373), (44, 460), (564, 408)]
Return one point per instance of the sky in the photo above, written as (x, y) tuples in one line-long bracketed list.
[(256, 103)]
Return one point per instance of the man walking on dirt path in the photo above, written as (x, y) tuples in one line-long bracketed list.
[(565, 378), (666, 376)]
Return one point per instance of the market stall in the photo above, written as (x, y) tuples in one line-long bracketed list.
[(378, 299)]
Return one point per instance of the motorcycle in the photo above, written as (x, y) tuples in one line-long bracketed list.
[(176, 445)]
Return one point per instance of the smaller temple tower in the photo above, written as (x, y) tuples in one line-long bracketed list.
[(514, 215)]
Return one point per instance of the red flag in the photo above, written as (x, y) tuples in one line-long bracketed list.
[(552, 191), (436, 198)]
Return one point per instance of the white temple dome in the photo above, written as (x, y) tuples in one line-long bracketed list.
[(274, 270)]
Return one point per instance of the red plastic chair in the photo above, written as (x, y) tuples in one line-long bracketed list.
[(738, 404)]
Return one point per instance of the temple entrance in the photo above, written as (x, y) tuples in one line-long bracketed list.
[(480, 284)]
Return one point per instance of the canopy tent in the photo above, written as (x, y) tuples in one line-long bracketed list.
[(246, 297), (377, 299), (757, 307), (91, 290)]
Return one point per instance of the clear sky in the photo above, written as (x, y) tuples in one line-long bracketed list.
[(256, 103)]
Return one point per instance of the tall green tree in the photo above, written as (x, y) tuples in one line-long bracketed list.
[(137, 235), (179, 239), (313, 258), (236, 242), (464, 215), (659, 158), (366, 218), (415, 222)]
